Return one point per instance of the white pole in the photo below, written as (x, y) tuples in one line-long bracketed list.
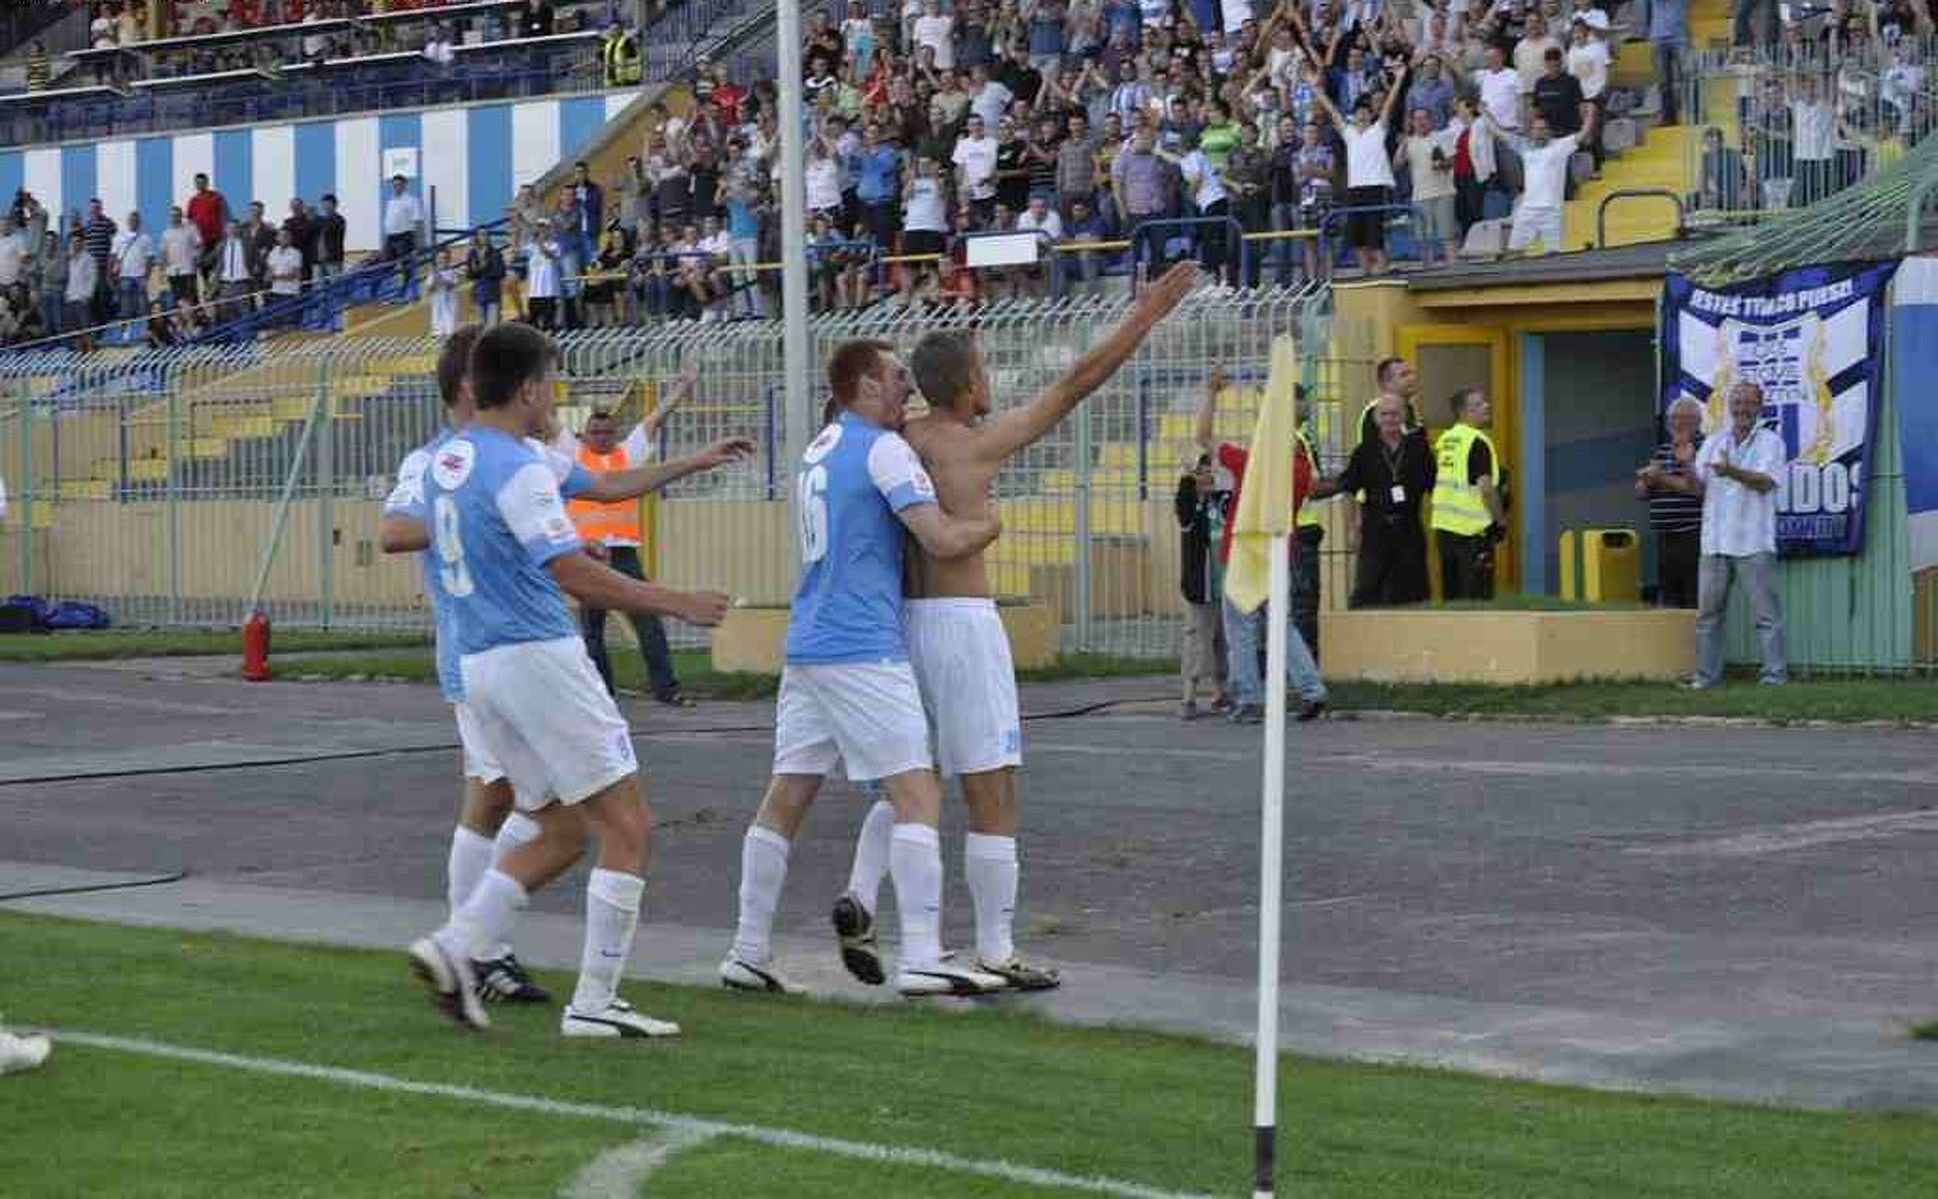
[(797, 393), (1271, 853)]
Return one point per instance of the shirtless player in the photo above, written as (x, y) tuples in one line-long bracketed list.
[(956, 641)]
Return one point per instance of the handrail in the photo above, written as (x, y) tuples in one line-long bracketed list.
[(1189, 222), (1638, 193), (1336, 215)]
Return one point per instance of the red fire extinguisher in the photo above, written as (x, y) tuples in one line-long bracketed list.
[(255, 647)]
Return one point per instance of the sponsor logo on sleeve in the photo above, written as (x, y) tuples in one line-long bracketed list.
[(451, 463)]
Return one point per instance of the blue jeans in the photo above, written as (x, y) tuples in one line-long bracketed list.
[(1245, 641), (1759, 573)]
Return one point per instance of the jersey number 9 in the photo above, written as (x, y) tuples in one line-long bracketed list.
[(451, 569), (813, 514)]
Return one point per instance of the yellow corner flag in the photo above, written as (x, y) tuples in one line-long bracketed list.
[(1265, 500)]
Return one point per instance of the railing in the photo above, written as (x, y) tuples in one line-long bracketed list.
[(147, 481)]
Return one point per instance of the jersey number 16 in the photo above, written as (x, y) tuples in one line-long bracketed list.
[(812, 513)]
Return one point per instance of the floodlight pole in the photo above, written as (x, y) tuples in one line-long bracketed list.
[(796, 394), (1271, 853)]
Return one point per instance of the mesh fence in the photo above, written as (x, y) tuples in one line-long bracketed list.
[(163, 485)]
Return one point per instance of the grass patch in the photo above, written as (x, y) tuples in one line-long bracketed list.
[(98, 644), (1847, 700), (1165, 1111), (1928, 1031)]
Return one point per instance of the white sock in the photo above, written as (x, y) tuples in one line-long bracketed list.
[(871, 854), (763, 871), (990, 865), (517, 829), (470, 858), (915, 863), (485, 917), (611, 914)]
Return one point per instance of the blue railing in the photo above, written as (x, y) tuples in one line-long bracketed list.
[(321, 305)]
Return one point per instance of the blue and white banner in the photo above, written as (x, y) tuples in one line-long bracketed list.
[(1813, 340), (1914, 354)]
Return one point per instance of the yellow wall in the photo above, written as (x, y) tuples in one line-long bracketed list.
[(1427, 646)]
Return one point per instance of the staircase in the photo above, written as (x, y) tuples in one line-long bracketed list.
[(1662, 158)]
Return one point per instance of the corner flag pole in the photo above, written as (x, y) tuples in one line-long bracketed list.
[(796, 350), (1270, 866)]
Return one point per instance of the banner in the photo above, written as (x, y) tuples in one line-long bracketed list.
[(1813, 339), (1914, 354)]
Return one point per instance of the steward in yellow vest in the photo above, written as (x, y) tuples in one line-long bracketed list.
[(620, 54), (1468, 516)]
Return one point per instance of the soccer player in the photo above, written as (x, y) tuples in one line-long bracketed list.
[(847, 692), (505, 553), (956, 641), (488, 826)]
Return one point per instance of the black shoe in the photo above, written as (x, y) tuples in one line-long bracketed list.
[(505, 981), (675, 699), (1312, 709), (854, 927), (1247, 714)]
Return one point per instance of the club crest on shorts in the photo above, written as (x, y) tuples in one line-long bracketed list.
[(451, 463)]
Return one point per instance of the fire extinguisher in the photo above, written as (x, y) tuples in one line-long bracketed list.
[(255, 647)]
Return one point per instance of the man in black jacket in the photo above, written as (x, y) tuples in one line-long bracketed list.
[(329, 239), (1393, 470), (1202, 511)]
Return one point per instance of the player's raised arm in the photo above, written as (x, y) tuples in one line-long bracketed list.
[(947, 538), (1003, 435), (635, 481)]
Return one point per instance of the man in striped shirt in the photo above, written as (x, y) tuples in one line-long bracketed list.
[(1675, 505)]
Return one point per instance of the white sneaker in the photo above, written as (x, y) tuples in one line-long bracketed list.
[(945, 979), (19, 1052), (449, 978), (618, 1020), (746, 976)]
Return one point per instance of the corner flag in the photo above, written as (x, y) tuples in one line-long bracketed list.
[(1261, 573), (1265, 501)]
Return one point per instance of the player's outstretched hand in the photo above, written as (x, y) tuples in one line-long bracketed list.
[(1169, 291), (597, 551), (727, 450), (704, 608)]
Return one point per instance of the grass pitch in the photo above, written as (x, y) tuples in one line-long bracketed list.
[(1167, 1113)]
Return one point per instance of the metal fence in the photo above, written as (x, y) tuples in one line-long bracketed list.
[(149, 482), (1786, 127)]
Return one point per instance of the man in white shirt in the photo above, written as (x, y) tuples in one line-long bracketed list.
[(1544, 183), (1737, 470), (181, 253), (1369, 172), (1039, 217), (1428, 158), (13, 252), (438, 49), (975, 162), (285, 270), (991, 97), (403, 215), (134, 254), (235, 271), (1500, 91), (1531, 52), (936, 30)]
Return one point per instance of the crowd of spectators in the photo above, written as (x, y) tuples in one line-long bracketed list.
[(92, 278), (126, 24), (1149, 129)]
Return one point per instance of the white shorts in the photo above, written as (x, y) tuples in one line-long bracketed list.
[(478, 762), (544, 718), (867, 715), (962, 664)]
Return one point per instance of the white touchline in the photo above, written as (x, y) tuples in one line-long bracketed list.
[(619, 1172), (673, 1121)]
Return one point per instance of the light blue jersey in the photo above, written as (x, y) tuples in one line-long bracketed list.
[(408, 498), (854, 478)]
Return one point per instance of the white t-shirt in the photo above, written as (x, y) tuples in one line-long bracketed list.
[(1530, 59), (822, 183), (1429, 184), (1737, 521), (925, 210), (440, 52), (134, 252), (1814, 130), (990, 103), (402, 214), (1201, 176), (1366, 161), (976, 159), (181, 246), (285, 260), (13, 258), (1051, 224), (542, 274), (1588, 62), (1500, 95), (1544, 172), (938, 33)]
